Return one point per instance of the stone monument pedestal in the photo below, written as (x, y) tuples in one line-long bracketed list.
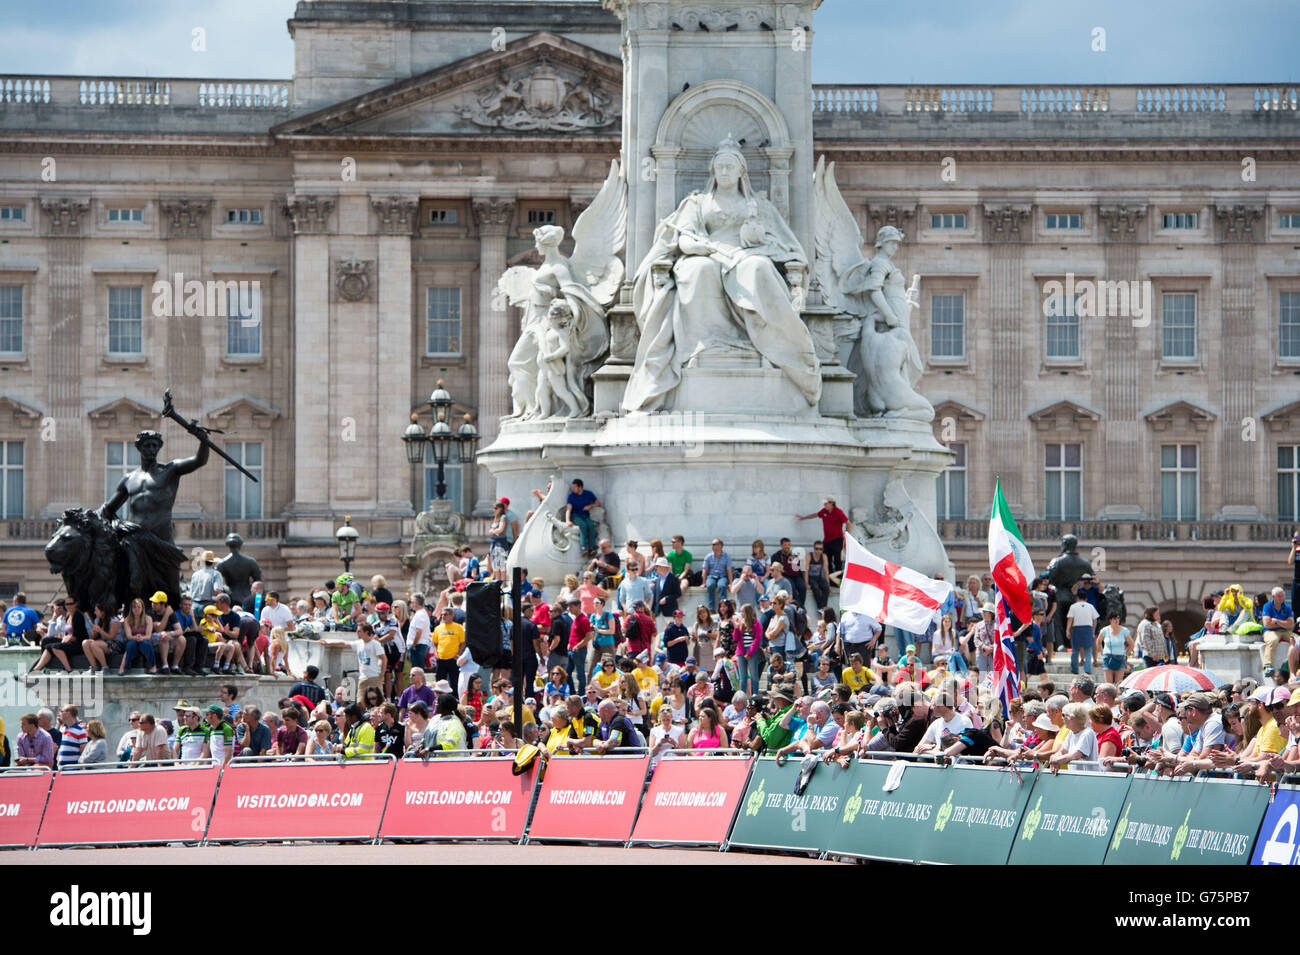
[(735, 476), (1229, 659)]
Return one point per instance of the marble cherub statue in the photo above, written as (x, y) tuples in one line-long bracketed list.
[(586, 282)]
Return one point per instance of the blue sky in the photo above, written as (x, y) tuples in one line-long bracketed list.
[(858, 41)]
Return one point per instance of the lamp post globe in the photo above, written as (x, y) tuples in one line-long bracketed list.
[(347, 539)]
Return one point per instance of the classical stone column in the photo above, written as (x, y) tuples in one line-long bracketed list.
[(312, 426), (65, 465), (1005, 230), (397, 217), (183, 227), (1122, 500), (493, 215), (1239, 232)]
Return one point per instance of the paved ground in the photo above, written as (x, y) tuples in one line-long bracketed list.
[(391, 855)]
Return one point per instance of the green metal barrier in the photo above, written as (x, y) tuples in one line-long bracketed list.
[(1188, 821), (772, 817), (1070, 819), (955, 814)]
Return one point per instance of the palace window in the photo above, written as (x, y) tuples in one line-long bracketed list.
[(120, 457), (1288, 482), (453, 476), (125, 320), (243, 320), (1063, 329), (1289, 220), (125, 215), (1288, 325), (1178, 325), (541, 216), (442, 216), (12, 213), (948, 220), (1180, 220), (1063, 480), (11, 487), (244, 496), (1179, 482), (950, 487), (1064, 220), (442, 321), (244, 216), (948, 325), (11, 319)]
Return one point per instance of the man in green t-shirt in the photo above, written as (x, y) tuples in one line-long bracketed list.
[(192, 735), (679, 559), (221, 735), (344, 598)]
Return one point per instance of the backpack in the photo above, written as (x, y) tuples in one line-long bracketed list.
[(800, 621)]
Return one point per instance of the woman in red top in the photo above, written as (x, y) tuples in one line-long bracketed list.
[(473, 696), (1108, 741)]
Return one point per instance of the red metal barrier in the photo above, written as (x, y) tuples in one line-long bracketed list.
[(692, 800), (116, 804), (300, 800), (450, 798), (22, 800), (589, 798)]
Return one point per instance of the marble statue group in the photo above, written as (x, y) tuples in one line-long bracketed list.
[(725, 275)]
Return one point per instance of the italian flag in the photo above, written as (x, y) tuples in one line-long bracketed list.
[(1009, 560)]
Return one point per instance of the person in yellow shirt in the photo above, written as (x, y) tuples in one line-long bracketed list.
[(646, 675), (449, 640), (607, 676), (557, 741), (209, 625), (856, 676)]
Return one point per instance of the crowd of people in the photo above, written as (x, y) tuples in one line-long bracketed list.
[(613, 659)]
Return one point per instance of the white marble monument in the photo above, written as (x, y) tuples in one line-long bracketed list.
[(708, 394)]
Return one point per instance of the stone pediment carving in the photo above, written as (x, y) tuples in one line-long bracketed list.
[(124, 412), (539, 83), (1180, 416), (1285, 418), (1064, 416), (243, 409), (24, 415), (967, 419)]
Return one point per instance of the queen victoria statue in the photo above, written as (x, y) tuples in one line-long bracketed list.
[(725, 274)]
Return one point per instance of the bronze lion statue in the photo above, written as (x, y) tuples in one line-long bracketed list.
[(109, 562)]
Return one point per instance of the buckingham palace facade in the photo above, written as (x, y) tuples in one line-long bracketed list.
[(1110, 308)]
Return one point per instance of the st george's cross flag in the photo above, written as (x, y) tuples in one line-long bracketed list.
[(893, 595)]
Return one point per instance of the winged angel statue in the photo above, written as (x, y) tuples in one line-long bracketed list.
[(879, 350), (563, 334)]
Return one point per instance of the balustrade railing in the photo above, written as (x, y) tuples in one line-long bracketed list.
[(1059, 101)]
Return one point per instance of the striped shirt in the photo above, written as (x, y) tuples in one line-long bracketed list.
[(74, 737), (192, 740)]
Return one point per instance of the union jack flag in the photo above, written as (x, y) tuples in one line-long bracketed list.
[(1006, 673)]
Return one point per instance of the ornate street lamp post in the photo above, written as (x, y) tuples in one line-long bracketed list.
[(347, 537), (441, 438)]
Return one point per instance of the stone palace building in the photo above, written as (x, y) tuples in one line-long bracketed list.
[(1149, 402)]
